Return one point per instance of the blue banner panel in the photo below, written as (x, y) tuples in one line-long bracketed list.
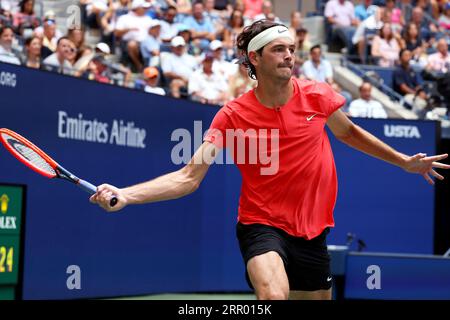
[(387, 208), (110, 134), (400, 277)]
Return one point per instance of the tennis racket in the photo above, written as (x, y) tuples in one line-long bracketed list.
[(38, 161)]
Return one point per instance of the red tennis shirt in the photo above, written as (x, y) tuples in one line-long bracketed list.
[(288, 172)]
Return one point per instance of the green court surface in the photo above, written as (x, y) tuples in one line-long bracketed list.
[(193, 296)]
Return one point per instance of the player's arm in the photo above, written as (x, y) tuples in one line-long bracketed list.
[(170, 186), (355, 136)]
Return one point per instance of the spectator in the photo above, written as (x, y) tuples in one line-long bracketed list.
[(151, 77), (186, 34), (76, 35), (296, 22), (366, 107), (240, 82), (232, 30), (444, 18), (6, 41), (386, 46), (202, 30), (214, 16), (319, 69), (366, 31), (302, 52), (131, 29), (169, 28), (412, 41), (109, 19), (408, 84), (427, 30), (98, 70), (10, 6), (25, 20), (58, 61), (220, 65), (150, 46), (252, 8), (396, 17), (49, 34), (316, 68), (361, 10), (340, 14), (206, 85), (178, 66), (266, 12), (33, 48), (93, 11), (430, 7), (184, 6), (439, 62)]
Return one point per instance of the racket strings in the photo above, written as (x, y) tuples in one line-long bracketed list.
[(29, 154)]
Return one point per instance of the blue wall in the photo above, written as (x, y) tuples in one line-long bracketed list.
[(183, 245)]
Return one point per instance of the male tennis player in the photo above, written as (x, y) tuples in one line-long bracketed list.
[(284, 215)]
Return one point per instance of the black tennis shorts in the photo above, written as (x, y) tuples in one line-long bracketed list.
[(307, 262)]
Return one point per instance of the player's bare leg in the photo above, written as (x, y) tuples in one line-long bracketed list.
[(268, 276)]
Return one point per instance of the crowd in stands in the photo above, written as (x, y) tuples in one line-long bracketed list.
[(187, 49), (410, 36)]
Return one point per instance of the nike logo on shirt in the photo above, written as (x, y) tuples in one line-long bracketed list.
[(310, 117)]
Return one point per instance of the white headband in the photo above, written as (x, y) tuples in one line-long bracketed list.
[(267, 36)]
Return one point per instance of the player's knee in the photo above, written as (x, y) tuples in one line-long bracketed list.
[(267, 291)]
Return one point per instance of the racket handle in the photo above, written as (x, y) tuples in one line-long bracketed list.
[(86, 186)]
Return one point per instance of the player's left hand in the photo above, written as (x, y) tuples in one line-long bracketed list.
[(424, 165)]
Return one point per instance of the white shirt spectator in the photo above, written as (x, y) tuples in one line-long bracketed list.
[(343, 14), (183, 65), (10, 5), (8, 56), (131, 21), (53, 62), (101, 5), (438, 62), (210, 87), (169, 30), (367, 109), (320, 73)]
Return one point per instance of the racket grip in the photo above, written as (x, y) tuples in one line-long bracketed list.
[(91, 189), (86, 186)]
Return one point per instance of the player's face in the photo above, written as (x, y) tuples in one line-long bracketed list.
[(277, 60)]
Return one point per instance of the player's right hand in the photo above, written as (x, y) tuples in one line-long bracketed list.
[(103, 197)]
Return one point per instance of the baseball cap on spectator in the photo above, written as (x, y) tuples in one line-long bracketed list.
[(154, 23), (215, 44), (140, 4), (50, 17), (178, 41), (103, 47), (151, 72)]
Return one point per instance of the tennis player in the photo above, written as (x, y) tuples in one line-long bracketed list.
[(284, 214)]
